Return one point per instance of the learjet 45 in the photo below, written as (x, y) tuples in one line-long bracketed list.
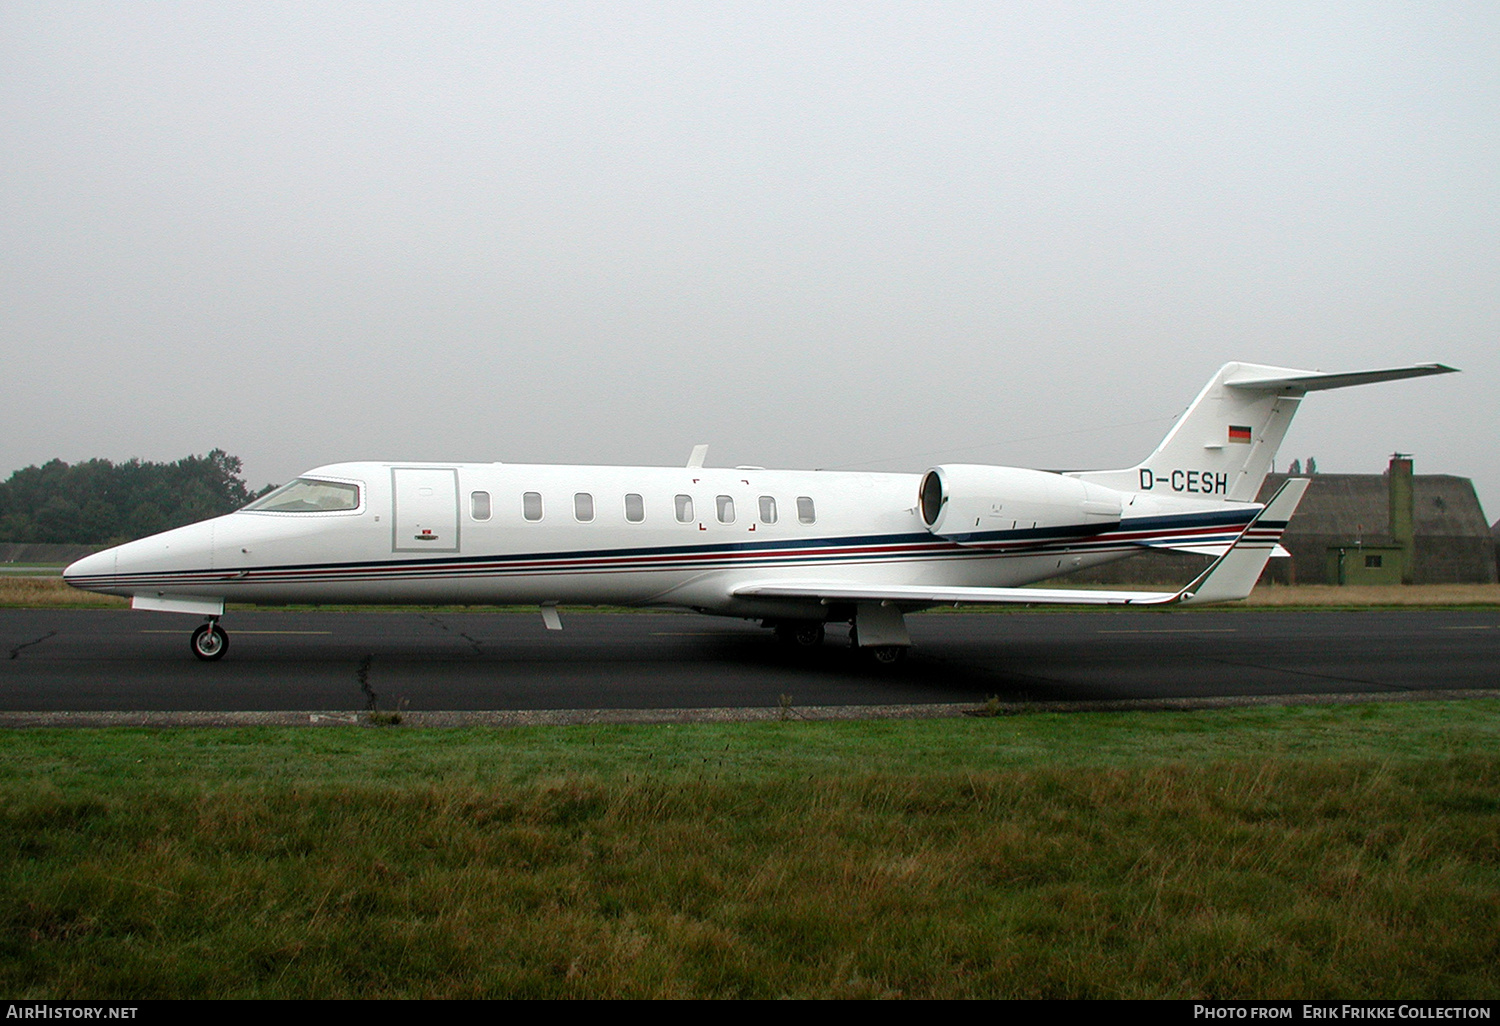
[(794, 549)]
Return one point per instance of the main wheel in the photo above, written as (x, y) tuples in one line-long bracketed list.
[(800, 634), (886, 655), (209, 642)]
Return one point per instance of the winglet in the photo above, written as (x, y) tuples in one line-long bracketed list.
[(1233, 575)]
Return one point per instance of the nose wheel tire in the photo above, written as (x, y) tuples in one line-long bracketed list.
[(210, 642)]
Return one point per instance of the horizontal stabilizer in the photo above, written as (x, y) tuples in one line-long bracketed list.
[(1254, 379)]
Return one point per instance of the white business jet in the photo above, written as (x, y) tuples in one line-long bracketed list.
[(795, 549)]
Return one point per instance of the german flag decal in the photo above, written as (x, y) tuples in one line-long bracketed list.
[(1239, 433)]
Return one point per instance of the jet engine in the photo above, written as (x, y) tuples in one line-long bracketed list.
[(969, 503)]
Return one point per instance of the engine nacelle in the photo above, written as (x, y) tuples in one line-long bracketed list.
[(967, 503)]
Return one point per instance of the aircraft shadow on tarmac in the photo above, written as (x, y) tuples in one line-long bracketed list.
[(472, 660)]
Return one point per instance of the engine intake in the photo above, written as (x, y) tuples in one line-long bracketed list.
[(969, 503)]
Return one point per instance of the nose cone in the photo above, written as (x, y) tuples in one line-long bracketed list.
[(162, 561), (92, 573)]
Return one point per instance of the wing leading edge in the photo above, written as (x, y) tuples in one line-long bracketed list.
[(1228, 578)]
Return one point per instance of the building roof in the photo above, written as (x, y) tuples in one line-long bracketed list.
[(1349, 504)]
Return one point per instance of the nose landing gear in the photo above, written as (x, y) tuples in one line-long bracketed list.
[(209, 640)]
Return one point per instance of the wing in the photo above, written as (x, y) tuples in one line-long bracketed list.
[(1207, 550), (1228, 578)]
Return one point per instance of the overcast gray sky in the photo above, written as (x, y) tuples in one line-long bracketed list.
[(858, 235)]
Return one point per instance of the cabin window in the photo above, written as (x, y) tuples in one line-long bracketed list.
[(725, 504), (583, 507), (531, 506), (767, 509), (635, 508), (684, 505), (479, 505), (805, 512), (306, 495)]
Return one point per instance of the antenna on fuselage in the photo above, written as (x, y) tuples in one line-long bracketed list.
[(700, 453)]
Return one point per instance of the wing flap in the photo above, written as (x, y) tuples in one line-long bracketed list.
[(1208, 550), (917, 594)]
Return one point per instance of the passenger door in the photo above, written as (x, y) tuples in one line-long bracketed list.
[(424, 509)]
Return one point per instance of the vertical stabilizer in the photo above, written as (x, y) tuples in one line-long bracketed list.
[(1222, 447)]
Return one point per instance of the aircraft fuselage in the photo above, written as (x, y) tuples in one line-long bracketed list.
[(632, 536)]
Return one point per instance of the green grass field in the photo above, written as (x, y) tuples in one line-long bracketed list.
[(1330, 851)]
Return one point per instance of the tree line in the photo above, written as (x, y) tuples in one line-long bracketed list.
[(99, 502)]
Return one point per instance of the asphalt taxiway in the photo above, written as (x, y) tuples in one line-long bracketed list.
[(123, 661)]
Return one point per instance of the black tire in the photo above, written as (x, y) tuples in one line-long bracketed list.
[(803, 635), (885, 655), (209, 642)]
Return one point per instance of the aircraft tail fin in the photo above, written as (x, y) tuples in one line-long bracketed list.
[(1222, 447)]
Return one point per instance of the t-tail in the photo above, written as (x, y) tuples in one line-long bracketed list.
[(1222, 447)]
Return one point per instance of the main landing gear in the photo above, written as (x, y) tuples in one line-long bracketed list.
[(884, 655), (209, 640), (806, 636), (800, 635), (880, 655)]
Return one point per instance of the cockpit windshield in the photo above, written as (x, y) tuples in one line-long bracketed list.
[(307, 495)]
